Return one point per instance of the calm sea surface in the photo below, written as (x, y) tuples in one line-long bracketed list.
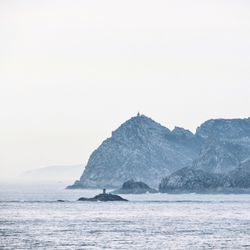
[(31, 218)]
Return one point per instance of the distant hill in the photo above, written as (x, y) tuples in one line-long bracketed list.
[(53, 174)]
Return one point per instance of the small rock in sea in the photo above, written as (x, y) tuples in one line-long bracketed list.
[(134, 187), (103, 197)]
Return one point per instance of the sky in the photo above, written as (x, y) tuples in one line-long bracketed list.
[(73, 71)]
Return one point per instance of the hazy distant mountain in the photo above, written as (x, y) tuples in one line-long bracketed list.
[(139, 149), (53, 174)]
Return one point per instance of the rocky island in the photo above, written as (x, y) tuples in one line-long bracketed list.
[(103, 197), (134, 187)]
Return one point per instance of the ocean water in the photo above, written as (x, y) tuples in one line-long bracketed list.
[(31, 218)]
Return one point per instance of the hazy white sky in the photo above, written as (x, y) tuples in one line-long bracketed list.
[(72, 71)]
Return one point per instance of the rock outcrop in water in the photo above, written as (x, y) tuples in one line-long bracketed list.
[(139, 149), (134, 187), (103, 197), (240, 177)]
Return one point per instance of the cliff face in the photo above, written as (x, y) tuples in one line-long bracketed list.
[(139, 149)]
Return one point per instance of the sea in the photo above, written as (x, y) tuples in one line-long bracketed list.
[(31, 217)]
